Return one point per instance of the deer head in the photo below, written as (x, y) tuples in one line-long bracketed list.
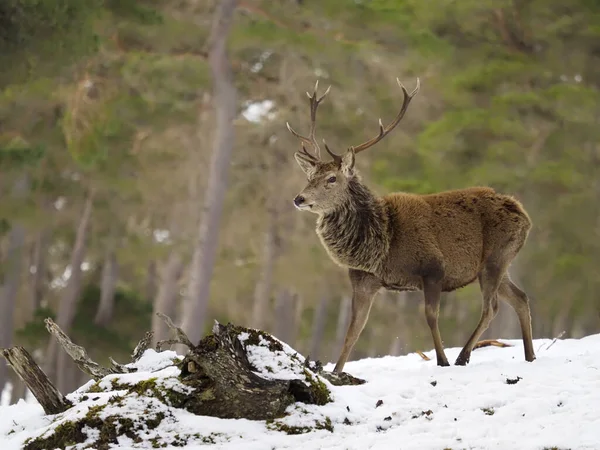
[(329, 181)]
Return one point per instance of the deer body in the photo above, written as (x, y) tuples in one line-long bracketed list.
[(434, 243)]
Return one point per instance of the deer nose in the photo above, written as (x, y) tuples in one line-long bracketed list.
[(299, 200)]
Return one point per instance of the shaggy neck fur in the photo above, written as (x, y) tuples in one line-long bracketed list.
[(356, 234)]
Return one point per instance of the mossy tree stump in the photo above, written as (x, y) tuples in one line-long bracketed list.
[(233, 373)]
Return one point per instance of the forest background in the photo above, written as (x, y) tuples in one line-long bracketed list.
[(119, 196)]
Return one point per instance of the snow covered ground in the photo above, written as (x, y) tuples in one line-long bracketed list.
[(498, 401)]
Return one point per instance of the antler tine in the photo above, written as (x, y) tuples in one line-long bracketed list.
[(384, 131), (310, 139), (337, 158), (305, 152)]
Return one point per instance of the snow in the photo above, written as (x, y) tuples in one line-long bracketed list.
[(498, 401), (274, 364), (256, 112), (5, 394)]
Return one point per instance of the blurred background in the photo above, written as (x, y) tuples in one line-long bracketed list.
[(107, 134)]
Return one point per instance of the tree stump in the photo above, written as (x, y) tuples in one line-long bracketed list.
[(235, 372), (36, 380)]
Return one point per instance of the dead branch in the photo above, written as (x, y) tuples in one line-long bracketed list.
[(142, 346), (78, 353), (423, 355), (561, 334), (480, 344), (490, 342), (36, 380), (180, 336)]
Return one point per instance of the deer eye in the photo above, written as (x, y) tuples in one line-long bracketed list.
[(331, 179)]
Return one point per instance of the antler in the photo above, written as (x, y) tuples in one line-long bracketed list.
[(383, 131), (311, 140)]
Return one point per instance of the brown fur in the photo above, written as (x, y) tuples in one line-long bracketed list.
[(434, 243), (401, 241)]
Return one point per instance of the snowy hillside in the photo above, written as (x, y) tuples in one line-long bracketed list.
[(497, 402)]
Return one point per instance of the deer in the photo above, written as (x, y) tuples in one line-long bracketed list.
[(402, 241)]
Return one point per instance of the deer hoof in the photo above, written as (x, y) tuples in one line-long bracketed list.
[(462, 360)]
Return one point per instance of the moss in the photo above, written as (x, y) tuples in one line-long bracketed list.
[(70, 433), (149, 388), (292, 429), (287, 429), (255, 337), (207, 395), (321, 394), (325, 425), (208, 439), (95, 388), (208, 343)]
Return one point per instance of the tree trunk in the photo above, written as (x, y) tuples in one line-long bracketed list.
[(10, 284), (18, 391), (399, 329), (285, 316), (150, 283), (262, 291), (38, 269), (342, 325), (108, 287), (205, 249), (58, 362), (318, 326), (168, 293)]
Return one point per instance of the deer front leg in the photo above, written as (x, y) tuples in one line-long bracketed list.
[(364, 289), (433, 290)]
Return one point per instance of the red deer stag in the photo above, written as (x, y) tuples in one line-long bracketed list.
[(401, 241)]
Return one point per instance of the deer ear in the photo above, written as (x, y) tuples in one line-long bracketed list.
[(307, 166), (347, 165)]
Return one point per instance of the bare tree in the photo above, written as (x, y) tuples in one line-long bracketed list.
[(342, 323), (57, 362), (108, 287), (262, 290), (284, 315), (38, 268), (318, 326), (288, 307), (205, 248), (150, 282), (166, 298), (12, 274)]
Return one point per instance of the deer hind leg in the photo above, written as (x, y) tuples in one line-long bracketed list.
[(489, 281), (432, 293), (516, 298), (364, 287)]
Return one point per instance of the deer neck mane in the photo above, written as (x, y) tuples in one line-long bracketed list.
[(356, 233)]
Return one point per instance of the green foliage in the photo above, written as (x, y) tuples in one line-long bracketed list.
[(116, 95), (34, 332), (131, 314), (44, 35)]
